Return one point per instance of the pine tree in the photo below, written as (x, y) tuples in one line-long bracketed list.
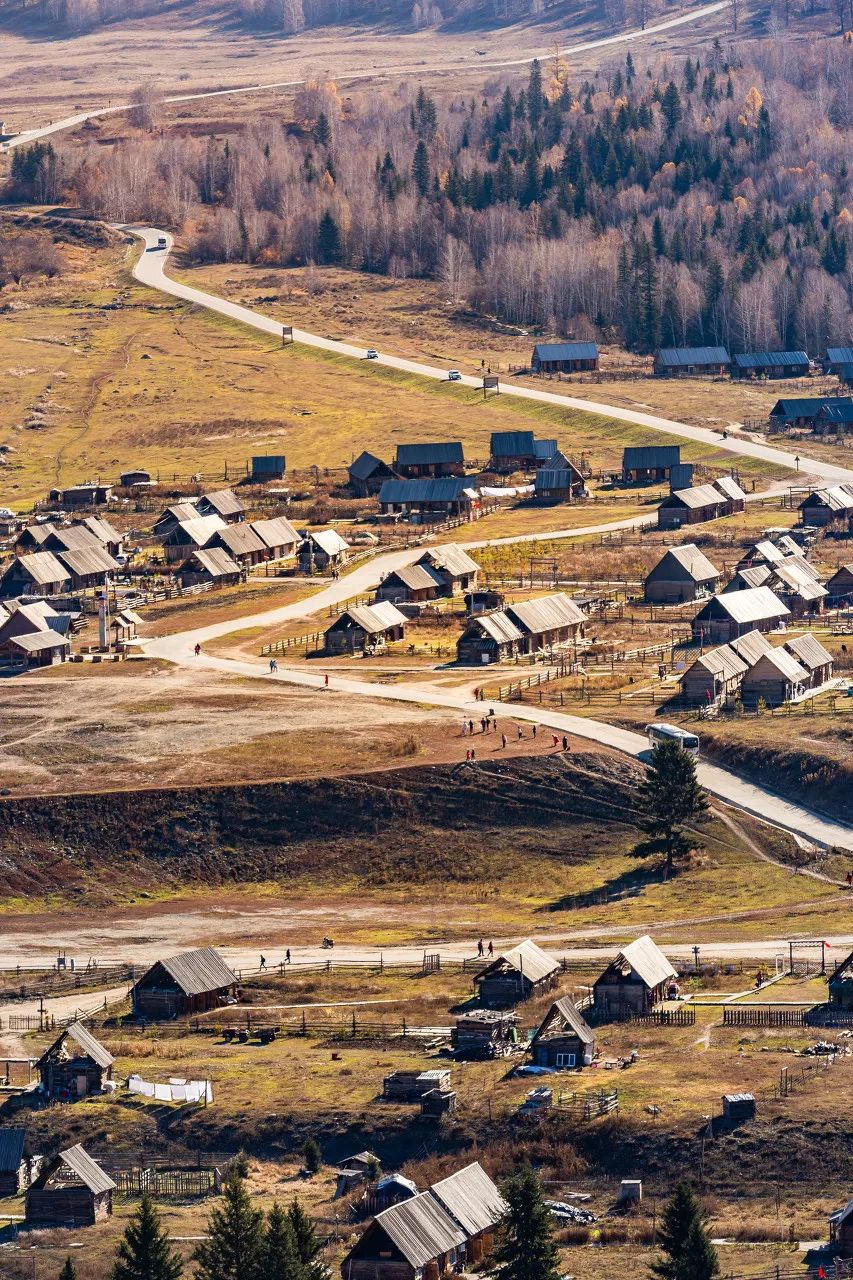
[(322, 131), (670, 105), (670, 798), (281, 1256), (658, 238), (235, 1245), (630, 70), (525, 1248), (535, 98), (689, 76), (145, 1252), (679, 1215), (307, 1244), (699, 1259), (328, 239), (420, 168), (312, 1156), (68, 1271)]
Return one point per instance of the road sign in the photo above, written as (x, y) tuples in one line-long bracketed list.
[(490, 383), (286, 333)]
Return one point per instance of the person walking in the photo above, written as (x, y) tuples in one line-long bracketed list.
[(491, 948), (556, 740), (326, 680), (468, 755), (263, 962), (503, 742), (471, 728), (565, 743), (534, 729), (473, 754), (197, 650), (520, 733), (287, 956), (464, 727), (480, 947)]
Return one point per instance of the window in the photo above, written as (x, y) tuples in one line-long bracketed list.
[(566, 1059)]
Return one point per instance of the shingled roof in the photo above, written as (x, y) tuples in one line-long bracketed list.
[(197, 972)]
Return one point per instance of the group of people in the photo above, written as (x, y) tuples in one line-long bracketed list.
[(489, 724), (481, 949)]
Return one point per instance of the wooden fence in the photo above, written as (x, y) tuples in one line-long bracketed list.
[(586, 1106), (176, 1184), (762, 1016)]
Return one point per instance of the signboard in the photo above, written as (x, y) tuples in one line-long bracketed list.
[(286, 333), (490, 383)]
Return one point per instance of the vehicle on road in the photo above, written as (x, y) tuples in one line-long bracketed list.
[(162, 242), (454, 376), (372, 354), (662, 732)]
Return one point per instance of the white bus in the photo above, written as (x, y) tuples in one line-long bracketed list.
[(671, 733)]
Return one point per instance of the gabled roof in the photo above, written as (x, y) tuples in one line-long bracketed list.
[(694, 498), (102, 529), (564, 1012), (839, 355), (680, 357), (197, 972), (843, 574), (513, 444), (751, 646), (451, 558), (526, 959), (11, 1149), (85, 1041), (754, 576), (753, 605), (375, 618), (84, 562), (782, 662), (772, 359), (809, 651), (446, 489), (649, 457), (550, 351), (199, 530), (837, 498), (329, 541), (729, 486), (723, 662), (84, 1168), (471, 1199), (548, 613), (548, 479), (421, 1229), (558, 462), (544, 449), (39, 641), (497, 626), (38, 616), (241, 540), (790, 546), (417, 577), (215, 561), (278, 532), (444, 451), (805, 406), (647, 960), (42, 567), (694, 562), (363, 467), (836, 413), (75, 538), (223, 501), (178, 512), (790, 576)]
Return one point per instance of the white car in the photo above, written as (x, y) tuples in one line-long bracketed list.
[(372, 353), (454, 376)]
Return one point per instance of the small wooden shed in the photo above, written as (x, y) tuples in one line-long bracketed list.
[(635, 981), (738, 1107), (518, 974), (192, 982), (410, 1086), (563, 1040), (365, 627), (71, 1190), (682, 573), (484, 1033), (75, 1065), (414, 1240)]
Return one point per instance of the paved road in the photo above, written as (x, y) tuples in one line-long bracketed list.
[(476, 64), (150, 270)]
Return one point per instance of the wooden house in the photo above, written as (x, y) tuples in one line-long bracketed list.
[(733, 496), (390, 1189), (802, 411), (82, 495), (757, 575), (35, 574), (697, 505), (367, 473), (71, 1190), (321, 551), (223, 503), (210, 564), (34, 635), (268, 466), (483, 600), (242, 544), (192, 982), (649, 463), (353, 1171), (484, 1033), (429, 500), (691, 362), (188, 536), (558, 484), (714, 677), (841, 1231), (683, 573), (512, 451), (635, 981), (797, 585), (839, 588), (770, 364), (410, 584), (838, 360), (365, 627), (518, 974), (547, 621), (564, 357), (413, 1240), (173, 515), (88, 566), (473, 1201), (454, 567), (729, 615), (562, 1040), (841, 984), (827, 506), (38, 649), (14, 1169), (108, 536), (430, 461), (74, 1066), (279, 537), (136, 476), (488, 638), (777, 677)]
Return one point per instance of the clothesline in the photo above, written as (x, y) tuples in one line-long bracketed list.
[(174, 1090)]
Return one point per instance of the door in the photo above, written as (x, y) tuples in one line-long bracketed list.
[(82, 1086)]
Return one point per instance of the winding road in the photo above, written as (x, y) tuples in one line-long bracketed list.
[(179, 648), (476, 64)]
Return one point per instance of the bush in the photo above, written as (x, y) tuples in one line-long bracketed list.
[(312, 1156)]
